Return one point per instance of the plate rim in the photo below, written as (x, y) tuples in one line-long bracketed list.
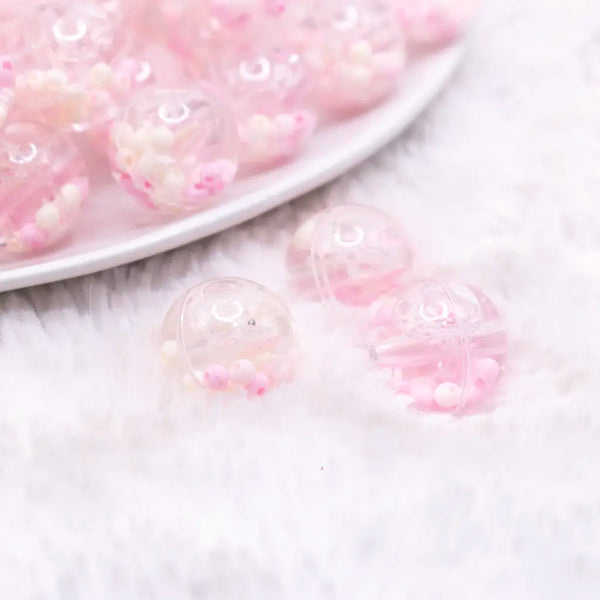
[(250, 205)]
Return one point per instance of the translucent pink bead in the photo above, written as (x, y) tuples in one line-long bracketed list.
[(231, 334), (270, 84), (349, 253), (432, 22), (42, 186), (356, 50), (71, 64), (445, 341), (175, 150)]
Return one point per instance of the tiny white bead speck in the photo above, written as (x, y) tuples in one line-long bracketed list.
[(189, 383), (72, 196), (447, 395), (169, 351), (47, 217)]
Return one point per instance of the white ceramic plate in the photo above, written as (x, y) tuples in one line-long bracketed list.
[(114, 230)]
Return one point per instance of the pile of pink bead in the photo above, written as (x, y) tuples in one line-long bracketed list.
[(180, 95), (443, 343)]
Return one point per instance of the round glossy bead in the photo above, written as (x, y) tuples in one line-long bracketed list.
[(487, 371), (349, 253), (47, 217), (270, 82), (258, 386), (432, 22), (216, 378), (448, 335), (232, 334), (71, 64), (170, 351), (42, 185), (356, 50), (175, 150), (448, 395)]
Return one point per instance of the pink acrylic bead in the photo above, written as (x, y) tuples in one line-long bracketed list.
[(32, 236), (270, 84), (421, 390), (349, 253), (356, 50), (42, 186), (258, 386), (231, 334), (447, 395), (71, 64), (486, 371), (446, 339), (398, 383), (175, 150), (433, 22), (216, 378)]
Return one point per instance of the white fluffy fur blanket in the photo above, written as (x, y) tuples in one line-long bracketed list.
[(115, 485)]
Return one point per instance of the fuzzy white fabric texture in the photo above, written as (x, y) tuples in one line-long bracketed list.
[(115, 484)]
